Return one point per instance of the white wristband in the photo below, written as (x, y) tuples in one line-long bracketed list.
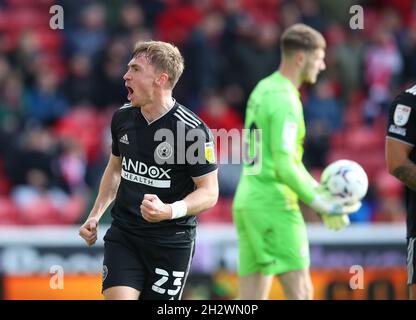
[(179, 209)]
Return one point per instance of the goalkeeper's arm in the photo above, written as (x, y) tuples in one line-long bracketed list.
[(297, 178)]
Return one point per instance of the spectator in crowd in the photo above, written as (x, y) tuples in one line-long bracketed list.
[(109, 89), (226, 122), (78, 86), (72, 164), (409, 52), (11, 103), (256, 56), (323, 115), (383, 64), (91, 35), (311, 15), (37, 179), (204, 59), (44, 102), (131, 18), (349, 56)]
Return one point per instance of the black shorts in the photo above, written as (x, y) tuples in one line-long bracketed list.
[(411, 261), (158, 272)]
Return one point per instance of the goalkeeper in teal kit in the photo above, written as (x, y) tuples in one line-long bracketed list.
[(271, 230)]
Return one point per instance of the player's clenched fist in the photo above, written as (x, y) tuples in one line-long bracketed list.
[(154, 210), (88, 231)]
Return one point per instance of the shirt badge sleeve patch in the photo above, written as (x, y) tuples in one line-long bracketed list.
[(210, 152), (401, 114)]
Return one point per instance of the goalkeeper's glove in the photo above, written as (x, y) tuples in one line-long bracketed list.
[(335, 222), (327, 206)]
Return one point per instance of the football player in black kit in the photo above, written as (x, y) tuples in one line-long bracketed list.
[(161, 173), (401, 163)]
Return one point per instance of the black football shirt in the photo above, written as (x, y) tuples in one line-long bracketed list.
[(402, 127), (159, 158)]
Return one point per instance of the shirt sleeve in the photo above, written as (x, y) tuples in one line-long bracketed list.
[(114, 144), (284, 145), (402, 119), (200, 152)]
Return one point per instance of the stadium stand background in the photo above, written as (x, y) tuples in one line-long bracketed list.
[(59, 88)]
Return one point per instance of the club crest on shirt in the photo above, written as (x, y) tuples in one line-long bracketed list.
[(401, 114), (210, 152), (164, 150)]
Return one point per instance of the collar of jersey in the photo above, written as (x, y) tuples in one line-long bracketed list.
[(161, 116), (289, 83)]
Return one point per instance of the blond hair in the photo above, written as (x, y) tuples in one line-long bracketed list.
[(300, 37), (164, 56)]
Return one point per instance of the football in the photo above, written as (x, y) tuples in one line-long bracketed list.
[(345, 181)]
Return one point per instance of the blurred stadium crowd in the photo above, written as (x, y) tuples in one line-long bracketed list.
[(59, 88)]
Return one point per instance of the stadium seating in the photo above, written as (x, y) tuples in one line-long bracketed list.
[(8, 211)]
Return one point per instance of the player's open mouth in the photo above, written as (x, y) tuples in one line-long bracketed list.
[(130, 93)]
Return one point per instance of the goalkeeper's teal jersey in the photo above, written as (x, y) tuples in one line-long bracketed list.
[(274, 177)]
